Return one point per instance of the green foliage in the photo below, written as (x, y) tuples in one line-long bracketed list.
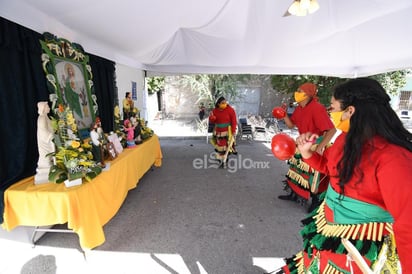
[(290, 83), (391, 81), (155, 84), (210, 87)]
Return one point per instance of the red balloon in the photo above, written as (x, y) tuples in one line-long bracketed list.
[(283, 146), (278, 112)]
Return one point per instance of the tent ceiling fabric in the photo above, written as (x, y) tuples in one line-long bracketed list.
[(348, 38)]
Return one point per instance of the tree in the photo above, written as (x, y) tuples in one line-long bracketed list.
[(211, 86), (155, 84), (391, 81)]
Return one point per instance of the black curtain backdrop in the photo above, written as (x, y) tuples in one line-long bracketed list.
[(22, 85), (105, 89)]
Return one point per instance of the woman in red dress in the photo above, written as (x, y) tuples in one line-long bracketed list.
[(223, 116), (368, 201)]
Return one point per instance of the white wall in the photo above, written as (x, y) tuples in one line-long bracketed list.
[(124, 77)]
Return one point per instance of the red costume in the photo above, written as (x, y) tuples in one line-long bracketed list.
[(313, 117), (376, 206), (223, 120), (301, 178)]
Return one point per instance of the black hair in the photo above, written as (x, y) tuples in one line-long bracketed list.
[(127, 94), (221, 98), (92, 126), (373, 116)]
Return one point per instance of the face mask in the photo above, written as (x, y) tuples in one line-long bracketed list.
[(336, 117), (344, 125), (300, 96), (222, 106), (340, 121)]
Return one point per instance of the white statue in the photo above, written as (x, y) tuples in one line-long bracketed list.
[(45, 144)]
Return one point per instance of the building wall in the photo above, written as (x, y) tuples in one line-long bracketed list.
[(124, 77), (257, 98)]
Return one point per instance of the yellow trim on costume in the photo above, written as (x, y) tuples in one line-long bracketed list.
[(300, 262), (371, 231), (315, 185), (300, 164), (298, 178)]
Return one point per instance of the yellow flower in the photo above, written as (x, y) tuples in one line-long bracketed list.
[(75, 144), (116, 111), (70, 118), (86, 145)]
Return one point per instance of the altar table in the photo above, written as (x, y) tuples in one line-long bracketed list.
[(85, 208)]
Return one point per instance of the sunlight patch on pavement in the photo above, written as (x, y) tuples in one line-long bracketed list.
[(268, 264)]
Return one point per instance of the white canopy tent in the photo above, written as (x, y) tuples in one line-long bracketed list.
[(347, 38)]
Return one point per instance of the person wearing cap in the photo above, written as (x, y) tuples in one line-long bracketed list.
[(223, 116), (309, 116)]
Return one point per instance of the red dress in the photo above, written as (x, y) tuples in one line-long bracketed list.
[(223, 120), (385, 185)]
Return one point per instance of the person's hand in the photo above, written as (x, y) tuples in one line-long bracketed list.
[(320, 149), (305, 142), (212, 117)]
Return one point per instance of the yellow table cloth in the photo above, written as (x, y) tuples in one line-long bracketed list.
[(85, 208)]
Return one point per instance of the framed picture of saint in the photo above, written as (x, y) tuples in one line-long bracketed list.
[(70, 80), (74, 92)]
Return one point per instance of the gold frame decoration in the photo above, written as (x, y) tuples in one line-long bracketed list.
[(69, 80)]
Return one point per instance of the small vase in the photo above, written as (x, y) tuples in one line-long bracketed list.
[(74, 182)]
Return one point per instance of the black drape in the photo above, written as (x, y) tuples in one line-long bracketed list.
[(22, 85), (103, 72)]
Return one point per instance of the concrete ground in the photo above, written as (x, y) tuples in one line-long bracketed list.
[(187, 216)]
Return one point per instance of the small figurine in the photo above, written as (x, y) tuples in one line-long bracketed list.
[(129, 129), (97, 148), (45, 143), (137, 129), (100, 129)]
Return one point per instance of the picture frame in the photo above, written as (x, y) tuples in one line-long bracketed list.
[(114, 139), (69, 80), (111, 150)]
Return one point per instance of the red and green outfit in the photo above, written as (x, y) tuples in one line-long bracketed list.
[(302, 178), (373, 213), (225, 124)]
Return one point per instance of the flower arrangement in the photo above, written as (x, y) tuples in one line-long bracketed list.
[(73, 159), (118, 127), (146, 131)]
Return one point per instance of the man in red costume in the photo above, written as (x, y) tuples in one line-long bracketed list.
[(223, 116), (309, 116)]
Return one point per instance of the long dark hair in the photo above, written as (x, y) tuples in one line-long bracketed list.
[(221, 98), (373, 116)]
